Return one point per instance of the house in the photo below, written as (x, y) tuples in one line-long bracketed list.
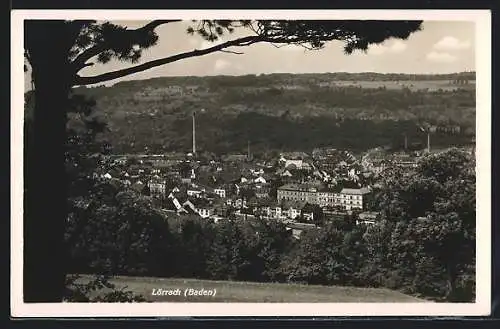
[(268, 208), (204, 208), (295, 164), (298, 228), (138, 186), (157, 186), (275, 212), (221, 192), (236, 203), (262, 191), (353, 198), (257, 172), (368, 217), (292, 209), (260, 180), (120, 161), (297, 192), (308, 211), (194, 192), (333, 214), (189, 206), (173, 203)]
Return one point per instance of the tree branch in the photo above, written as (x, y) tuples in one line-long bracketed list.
[(245, 41), (80, 60), (231, 52)]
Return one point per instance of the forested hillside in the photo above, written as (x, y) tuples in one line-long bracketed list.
[(286, 111)]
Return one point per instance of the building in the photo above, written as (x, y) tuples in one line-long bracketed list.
[(298, 228), (157, 187), (347, 198), (298, 192), (333, 214), (200, 206), (368, 217), (353, 198), (194, 192), (292, 209), (326, 197), (221, 192), (262, 191), (260, 180)]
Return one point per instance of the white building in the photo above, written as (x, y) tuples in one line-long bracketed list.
[(157, 187), (220, 192), (260, 180), (353, 198)]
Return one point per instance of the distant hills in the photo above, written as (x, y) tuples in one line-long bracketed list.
[(286, 111)]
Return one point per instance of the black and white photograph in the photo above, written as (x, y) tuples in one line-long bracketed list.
[(250, 163)]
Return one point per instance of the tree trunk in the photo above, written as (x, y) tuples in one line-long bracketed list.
[(451, 281), (45, 184)]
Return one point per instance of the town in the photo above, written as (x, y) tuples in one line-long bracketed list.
[(301, 190)]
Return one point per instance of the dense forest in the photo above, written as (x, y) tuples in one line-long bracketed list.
[(286, 111)]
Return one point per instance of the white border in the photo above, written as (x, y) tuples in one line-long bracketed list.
[(482, 18)]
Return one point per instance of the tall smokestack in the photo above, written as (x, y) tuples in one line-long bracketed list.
[(194, 133), (406, 142), (248, 150), (428, 141)]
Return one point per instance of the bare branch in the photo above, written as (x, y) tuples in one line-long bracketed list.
[(245, 41), (154, 24), (231, 52)]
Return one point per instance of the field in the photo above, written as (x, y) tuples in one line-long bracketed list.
[(431, 85), (229, 291)]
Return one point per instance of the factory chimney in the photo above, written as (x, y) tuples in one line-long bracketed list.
[(428, 141), (194, 133), (249, 153)]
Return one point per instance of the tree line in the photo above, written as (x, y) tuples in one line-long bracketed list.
[(423, 245), (268, 117)]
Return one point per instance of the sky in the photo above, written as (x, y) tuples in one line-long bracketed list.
[(441, 47)]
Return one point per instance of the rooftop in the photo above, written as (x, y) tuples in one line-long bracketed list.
[(300, 226), (356, 191), (298, 187)]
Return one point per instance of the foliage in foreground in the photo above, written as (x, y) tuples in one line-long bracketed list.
[(92, 291), (424, 244)]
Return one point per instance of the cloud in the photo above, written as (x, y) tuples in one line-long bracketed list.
[(398, 46), (451, 43), (395, 48), (377, 50), (440, 57), (221, 64)]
